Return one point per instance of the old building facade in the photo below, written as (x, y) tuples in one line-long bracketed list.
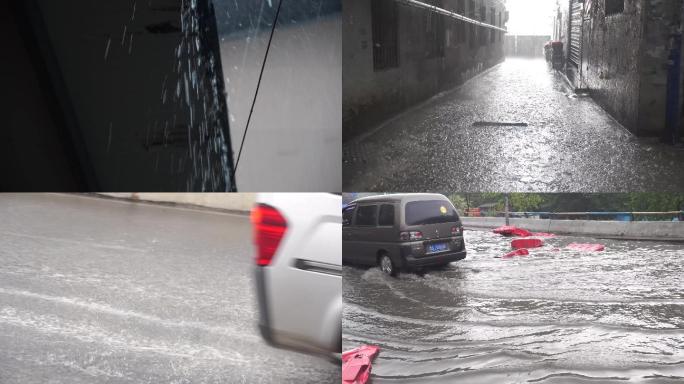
[(397, 53), (621, 52)]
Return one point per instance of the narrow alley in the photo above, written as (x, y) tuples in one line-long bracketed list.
[(561, 141)]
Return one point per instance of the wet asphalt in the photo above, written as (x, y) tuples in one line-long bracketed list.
[(101, 291), (555, 316), (569, 145)]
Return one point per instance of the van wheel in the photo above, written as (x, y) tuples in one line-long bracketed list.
[(386, 265)]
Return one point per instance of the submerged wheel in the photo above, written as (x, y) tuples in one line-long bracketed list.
[(387, 266)]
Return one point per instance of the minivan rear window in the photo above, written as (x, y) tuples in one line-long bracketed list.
[(430, 212)]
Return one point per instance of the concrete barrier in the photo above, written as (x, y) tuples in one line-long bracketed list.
[(239, 202), (627, 230)]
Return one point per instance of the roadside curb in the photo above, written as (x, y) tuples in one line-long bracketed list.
[(195, 207), (633, 231)]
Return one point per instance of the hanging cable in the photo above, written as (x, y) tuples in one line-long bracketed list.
[(256, 93)]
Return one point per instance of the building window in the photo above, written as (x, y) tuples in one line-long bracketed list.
[(434, 31), (500, 25), (472, 29), (483, 30), (614, 6), (461, 29), (492, 32), (385, 28)]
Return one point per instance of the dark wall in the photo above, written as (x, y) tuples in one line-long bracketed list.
[(35, 153), (136, 100)]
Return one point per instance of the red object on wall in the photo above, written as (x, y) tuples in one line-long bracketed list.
[(517, 252), (526, 243), (356, 364), (586, 247)]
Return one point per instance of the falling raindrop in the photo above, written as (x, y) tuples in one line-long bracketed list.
[(109, 42), (109, 138), (123, 38)]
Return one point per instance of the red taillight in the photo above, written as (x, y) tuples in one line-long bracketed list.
[(411, 236), (269, 228), (455, 231)]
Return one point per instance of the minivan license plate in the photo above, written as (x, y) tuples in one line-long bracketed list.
[(438, 247)]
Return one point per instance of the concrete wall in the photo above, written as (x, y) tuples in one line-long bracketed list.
[(610, 61), (624, 59), (661, 19), (639, 230), (370, 96), (242, 202)]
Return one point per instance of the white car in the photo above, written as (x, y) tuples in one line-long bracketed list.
[(298, 238)]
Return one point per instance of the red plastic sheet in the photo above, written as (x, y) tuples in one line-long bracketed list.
[(509, 230), (586, 247), (526, 243), (517, 252), (543, 234), (356, 364)]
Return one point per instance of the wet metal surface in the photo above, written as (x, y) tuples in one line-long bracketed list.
[(569, 145), (98, 291), (550, 317)]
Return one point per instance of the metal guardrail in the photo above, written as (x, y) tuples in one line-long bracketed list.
[(617, 216), (453, 15)]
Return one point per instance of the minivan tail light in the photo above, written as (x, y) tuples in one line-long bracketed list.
[(455, 231), (411, 236), (269, 228)]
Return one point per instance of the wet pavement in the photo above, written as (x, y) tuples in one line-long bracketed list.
[(551, 317), (100, 291), (569, 145)]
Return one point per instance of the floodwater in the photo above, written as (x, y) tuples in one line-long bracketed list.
[(98, 291), (555, 316), (569, 145)]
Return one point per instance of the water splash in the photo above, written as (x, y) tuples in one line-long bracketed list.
[(199, 91)]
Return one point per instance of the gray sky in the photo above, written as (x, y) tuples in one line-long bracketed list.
[(531, 17)]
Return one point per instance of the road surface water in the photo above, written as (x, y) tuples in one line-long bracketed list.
[(555, 316), (100, 291), (569, 145)]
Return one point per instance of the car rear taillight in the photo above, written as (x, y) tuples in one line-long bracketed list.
[(455, 231), (269, 228), (411, 236)]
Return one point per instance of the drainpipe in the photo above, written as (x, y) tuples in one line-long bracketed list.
[(671, 135), (506, 207)]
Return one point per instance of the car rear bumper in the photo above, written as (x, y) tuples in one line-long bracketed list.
[(262, 303), (437, 259)]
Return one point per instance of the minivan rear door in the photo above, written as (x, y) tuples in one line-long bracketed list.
[(435, 219)]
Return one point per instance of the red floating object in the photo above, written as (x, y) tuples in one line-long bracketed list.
[(517, 252), (356, 364), (509, 230), (586, 247), (543, 234), (526, 243)]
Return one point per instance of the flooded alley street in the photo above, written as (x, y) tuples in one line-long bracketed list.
[(569, 144), (555, 316), (104, 291)]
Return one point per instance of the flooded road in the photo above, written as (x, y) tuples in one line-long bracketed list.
[(100, 291), (569, 145), (551, 317)]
